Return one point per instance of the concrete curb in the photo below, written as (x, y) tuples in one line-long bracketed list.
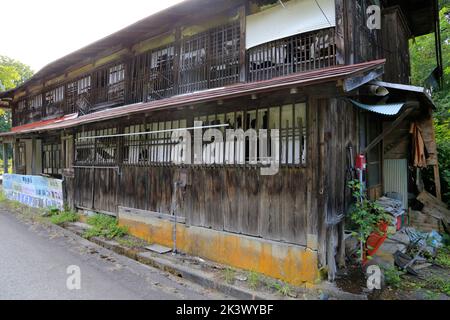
[(200, 278), (194, 276)]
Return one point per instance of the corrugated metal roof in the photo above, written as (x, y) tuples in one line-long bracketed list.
[(233, 91), (384, 109)]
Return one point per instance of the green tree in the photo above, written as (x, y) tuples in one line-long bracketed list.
[(13, 73)]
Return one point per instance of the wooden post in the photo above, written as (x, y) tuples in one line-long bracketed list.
[(33, 156), (5, 157), (340, 32), (242, 49), (437, 182)]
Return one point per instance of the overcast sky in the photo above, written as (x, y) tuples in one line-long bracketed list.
[(37, 32)]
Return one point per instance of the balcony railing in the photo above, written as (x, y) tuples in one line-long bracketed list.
[(207, 60)]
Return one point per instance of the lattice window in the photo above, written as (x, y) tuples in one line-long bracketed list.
[(35, 108), (85, 148), (96, 148), (290, 120), (303, 52), (225, 44), (154, 148), (210, 59), (194, 68), (51, 158), (116, 83), (53, 101), (161, 73)]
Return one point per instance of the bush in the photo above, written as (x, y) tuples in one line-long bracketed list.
[(104, 226), (64, 217)]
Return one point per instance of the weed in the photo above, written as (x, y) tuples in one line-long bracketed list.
[(229, 275), (281, 288), (64, 217), (443, 257), (442, 285), (254, 279), (104, 226), (131, 242), (392, 277)]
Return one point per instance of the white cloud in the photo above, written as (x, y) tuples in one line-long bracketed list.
[(37, 32)]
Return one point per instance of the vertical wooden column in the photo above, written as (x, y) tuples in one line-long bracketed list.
[(33, 156), (177, 60), (5, 157), (242, 42), (340, 32)]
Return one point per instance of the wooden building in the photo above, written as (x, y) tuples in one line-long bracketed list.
[(318, 71)]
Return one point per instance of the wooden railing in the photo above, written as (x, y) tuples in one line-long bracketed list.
[(207, 60)]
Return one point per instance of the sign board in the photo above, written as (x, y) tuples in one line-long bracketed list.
[(34, 191)]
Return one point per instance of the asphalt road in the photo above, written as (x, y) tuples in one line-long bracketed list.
[(34, 261)]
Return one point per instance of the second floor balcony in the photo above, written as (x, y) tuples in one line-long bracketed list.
[(211, 59)]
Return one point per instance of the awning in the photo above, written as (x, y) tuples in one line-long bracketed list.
[(384, 109), (293, 17)]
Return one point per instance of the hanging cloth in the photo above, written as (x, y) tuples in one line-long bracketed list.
[(419, 152)]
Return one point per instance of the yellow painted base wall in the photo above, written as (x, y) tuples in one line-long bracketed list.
[(293, 264)]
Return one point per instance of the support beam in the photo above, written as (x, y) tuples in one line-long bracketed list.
[(5, 158), (389, 129)]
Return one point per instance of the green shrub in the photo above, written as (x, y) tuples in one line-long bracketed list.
[(104, 226), (64, 217), (392, 277)]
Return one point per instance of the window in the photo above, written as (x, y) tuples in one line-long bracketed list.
[(53, 101), (290, 120), (35, 108), (84, 85), (21, 159), (52, 158), (302, 52), (210, 59), (155, 147), (116, 83), (100, 151), (161, 77)]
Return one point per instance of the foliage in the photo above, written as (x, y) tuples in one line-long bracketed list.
[(365, 215), (64, 217), (392, 277), (423, 62), (13, 73), (443, 257), (253, 279), (229, 275), (104, 226), (281, 288), (440, 284)]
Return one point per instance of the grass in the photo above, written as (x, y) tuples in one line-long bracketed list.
[(281, 288), (443, 257), (104, 226), (439, 284), (253, 279), (64, 217), (132, 242), (392, 277), (229, 275)]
